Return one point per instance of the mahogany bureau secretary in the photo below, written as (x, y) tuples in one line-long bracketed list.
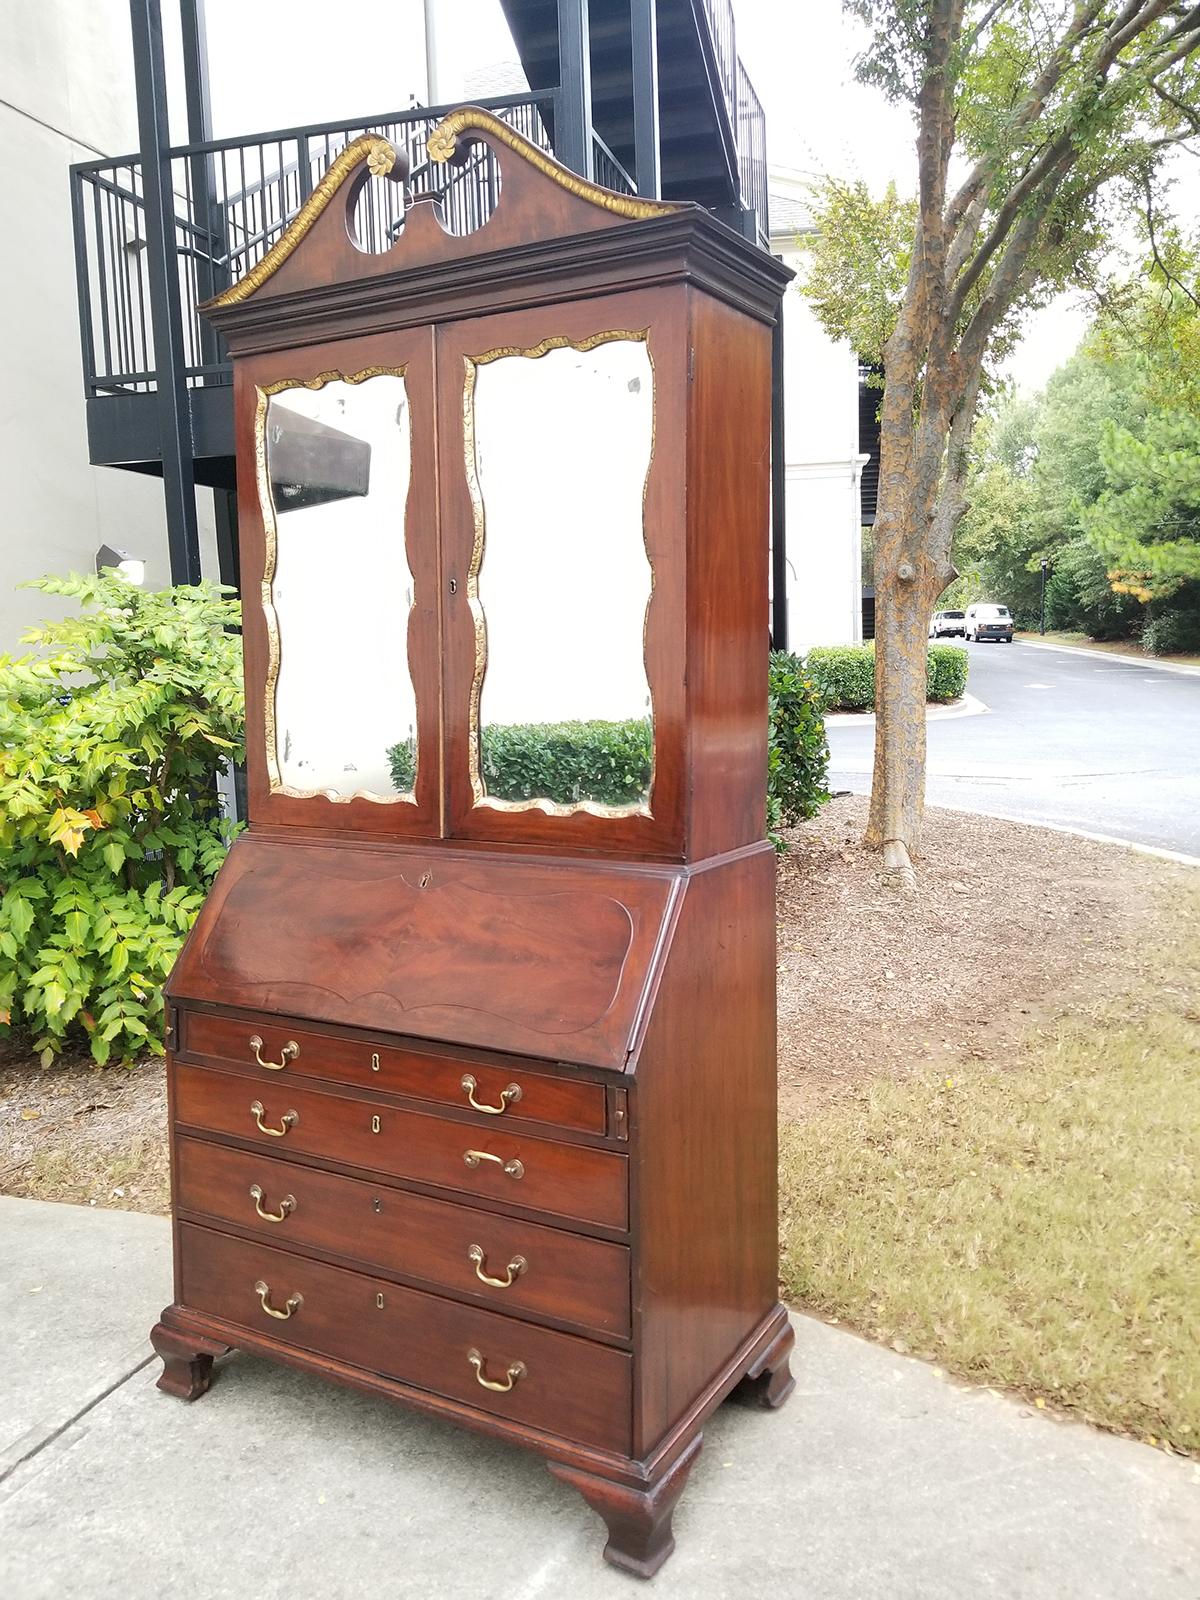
[(472, 1048)]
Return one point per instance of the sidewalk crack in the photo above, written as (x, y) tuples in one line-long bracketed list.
[(16, 1456)]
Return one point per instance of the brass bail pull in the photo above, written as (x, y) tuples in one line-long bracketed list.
[(508, 1096), (286, 1205), (289, 1119), (291, 1305), (513, 1271), (514, 1168), (515, 1372), (289, 1053)]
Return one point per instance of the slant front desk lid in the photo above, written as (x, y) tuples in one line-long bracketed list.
[(535, 955)]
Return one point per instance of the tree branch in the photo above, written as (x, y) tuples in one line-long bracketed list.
[(1186, 23), (1186, 47), (1135, 18), (1158, 260), (1048, 162), (1030, 109), (1134, 21), (1184, 110)]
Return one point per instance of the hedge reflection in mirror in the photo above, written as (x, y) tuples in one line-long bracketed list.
[(335, 463), (559, 440)]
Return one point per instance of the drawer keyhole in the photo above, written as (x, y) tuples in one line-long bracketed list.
[(374, 1124)]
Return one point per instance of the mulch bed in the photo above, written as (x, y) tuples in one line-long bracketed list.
[(1010, 926)]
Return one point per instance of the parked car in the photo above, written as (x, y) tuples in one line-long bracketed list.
[(989, 622), (948, 625)]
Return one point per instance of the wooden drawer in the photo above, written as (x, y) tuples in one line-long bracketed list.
[(578, 1280), (509, 1165), (566, 1102), (570, 1387)]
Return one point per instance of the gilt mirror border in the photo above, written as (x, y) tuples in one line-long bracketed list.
[(264, 394), (471, 365)]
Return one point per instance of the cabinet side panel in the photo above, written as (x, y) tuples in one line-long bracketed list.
[(704, 1143), (728, 619)]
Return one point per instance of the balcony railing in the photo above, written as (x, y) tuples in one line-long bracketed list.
[(607, 170), (233, 199), (752, 149), (743, 109)]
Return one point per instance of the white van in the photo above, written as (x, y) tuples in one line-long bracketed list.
[(989, 622)]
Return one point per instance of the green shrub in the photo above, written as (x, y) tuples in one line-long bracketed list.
[(797, 752), (1172, 633), (608, 762), (845, 675), (947, 672), (110, 825)]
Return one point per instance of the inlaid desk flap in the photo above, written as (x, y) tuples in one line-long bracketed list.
[(537, 956)]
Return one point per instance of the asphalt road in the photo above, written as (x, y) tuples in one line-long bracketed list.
[(1079, 740)]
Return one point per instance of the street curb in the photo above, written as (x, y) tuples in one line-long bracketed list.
[(1078, 833), (967, 706), (1111, 655)]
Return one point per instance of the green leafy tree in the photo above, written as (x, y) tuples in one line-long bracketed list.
[(854, 229), (111, 828), (1036, 467), (1146, 521), (1039, 124), (1098, 475)]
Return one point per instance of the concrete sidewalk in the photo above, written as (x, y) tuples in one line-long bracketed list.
[(878, 1481)]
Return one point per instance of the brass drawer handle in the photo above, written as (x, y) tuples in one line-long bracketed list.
[(508, 1096), (514, 1270), (288, 1203), (290, 1305), (288, 1120), (514, 1168), (289, 1053), (516, 1370)]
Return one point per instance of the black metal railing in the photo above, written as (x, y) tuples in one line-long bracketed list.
[(607, 170), (752, 149), (724, 39), (233, 199), (743, 110)]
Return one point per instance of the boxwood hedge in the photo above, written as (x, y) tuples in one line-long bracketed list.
[(845, 674)]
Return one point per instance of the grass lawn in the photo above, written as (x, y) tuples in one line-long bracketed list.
[(1032, 1223)]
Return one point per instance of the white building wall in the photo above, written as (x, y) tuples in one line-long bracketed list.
[(823, 469), (66, 94)]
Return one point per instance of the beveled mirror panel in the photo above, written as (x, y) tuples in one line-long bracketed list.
[(559, 439), (334, 470)]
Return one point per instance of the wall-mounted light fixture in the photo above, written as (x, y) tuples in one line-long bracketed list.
[(131, 568)]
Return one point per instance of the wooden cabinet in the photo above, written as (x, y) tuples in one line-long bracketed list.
[(472, 1049)]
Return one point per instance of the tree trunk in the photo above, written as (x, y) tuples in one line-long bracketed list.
[(902, 610)]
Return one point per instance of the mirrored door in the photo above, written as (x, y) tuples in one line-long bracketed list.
[(561, 541), (345, 618)]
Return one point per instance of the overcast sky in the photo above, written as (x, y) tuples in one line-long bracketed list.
[(799, 54)]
